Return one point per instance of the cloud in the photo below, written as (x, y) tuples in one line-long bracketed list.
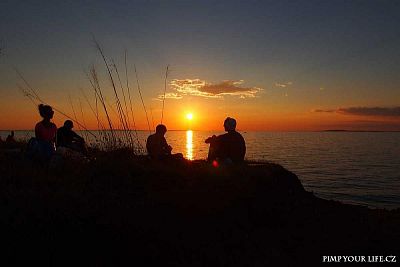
[(197, 87), (283, 85), (170, 96), (365, 111), (371, 111), (324, 110)]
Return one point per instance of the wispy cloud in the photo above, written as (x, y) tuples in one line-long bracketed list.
[(324, 110), (364, 111), (371, 111), (283, 85), (170, 96), (197, 87)]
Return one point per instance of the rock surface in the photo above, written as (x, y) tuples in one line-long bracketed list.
[(125, 210)]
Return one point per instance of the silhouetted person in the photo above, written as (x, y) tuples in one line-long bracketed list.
[(156, 145), (45, 130), (10, 138), (10, 141), (227, 148), (42, 146), (66, 137)]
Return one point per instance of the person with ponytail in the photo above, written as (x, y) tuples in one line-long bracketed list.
[(43, 146), (45, 130)]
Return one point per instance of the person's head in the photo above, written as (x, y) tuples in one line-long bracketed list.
[(230, 124), (46, 112), (161, 129), (69, 124), (12, 133)]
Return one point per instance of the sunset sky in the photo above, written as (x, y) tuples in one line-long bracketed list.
[(272, 65)]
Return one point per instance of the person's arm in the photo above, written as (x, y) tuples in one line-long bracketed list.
[(77, 136), (165, 147), (243, 152), (211, 139), (37, 131), (58, 138), (148, 146), (55, 133)]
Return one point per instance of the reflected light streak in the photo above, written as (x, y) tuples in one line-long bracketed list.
[(189, 145)]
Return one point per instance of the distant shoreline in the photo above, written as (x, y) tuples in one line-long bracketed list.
[(359, 131)]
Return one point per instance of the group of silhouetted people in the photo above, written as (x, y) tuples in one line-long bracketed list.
[(48, 138), (228, 148)]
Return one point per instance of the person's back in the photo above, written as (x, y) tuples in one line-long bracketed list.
[(229, 147), (10, 138), (232, 146), (65, 137), (42, 146), (45, 131), (156, 144)]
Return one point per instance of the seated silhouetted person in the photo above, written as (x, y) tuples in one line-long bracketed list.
[(10, 138), (10, 141), (158, 148), (41, 147), (227, 148), (156, 145), (67, 138)]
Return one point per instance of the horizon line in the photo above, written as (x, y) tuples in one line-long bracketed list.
[(220, 130)]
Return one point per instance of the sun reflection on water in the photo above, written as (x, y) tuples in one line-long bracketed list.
[(189, 145)]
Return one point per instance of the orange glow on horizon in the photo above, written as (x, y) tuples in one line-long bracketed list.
[(204, 116)]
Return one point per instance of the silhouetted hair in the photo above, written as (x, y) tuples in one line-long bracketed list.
[(69, 124), (44, 109), (230, 124), (161, 128)]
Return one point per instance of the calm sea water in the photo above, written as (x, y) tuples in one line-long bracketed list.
[(353, 167)]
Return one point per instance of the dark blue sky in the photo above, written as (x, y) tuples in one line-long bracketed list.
[(349, 48)]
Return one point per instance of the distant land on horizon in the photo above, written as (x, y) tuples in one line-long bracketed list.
[(367, 131)]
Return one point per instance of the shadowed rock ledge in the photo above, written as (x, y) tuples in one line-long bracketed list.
[(120, 210)]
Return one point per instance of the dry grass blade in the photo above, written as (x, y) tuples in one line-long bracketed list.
[(141, 97), (32, 94), (130, 102), (165, 91), (94, 81)]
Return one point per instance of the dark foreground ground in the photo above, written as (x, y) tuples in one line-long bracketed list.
[(125, 210)]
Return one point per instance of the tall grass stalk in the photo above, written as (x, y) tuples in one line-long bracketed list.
[(94, 81), (83, 118), (165, 91), (125, 114), (152, 118), (141, 97), (73, 110), (35, 99), (121, 114), (95, 111), (130, 101)]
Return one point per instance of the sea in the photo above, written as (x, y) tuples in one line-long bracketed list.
[(360, 168)]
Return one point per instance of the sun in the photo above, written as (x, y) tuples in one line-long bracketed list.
[(189, 116)]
